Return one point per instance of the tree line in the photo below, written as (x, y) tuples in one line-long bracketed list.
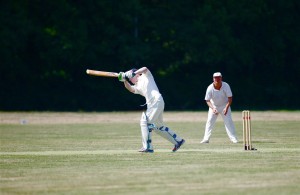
[(46, 46)]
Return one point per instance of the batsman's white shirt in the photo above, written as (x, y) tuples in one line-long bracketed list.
[(218, 98), (147, 87)]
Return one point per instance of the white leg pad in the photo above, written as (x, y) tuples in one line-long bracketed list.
[(146, 133), (168, 134)]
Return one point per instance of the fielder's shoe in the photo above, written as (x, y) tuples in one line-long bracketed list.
[(178, 145), (234, 141), (146, 150), (204, 141)]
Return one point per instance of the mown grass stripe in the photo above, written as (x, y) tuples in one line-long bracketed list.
[(84, 152)]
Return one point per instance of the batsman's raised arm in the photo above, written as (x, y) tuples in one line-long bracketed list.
[(141, 70), (128, 87), (130, 77)]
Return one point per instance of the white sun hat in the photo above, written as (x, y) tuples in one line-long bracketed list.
[(217, 74)]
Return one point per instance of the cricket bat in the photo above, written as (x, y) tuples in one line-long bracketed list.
[(101, 73)]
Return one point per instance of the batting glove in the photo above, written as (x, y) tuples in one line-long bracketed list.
[(129, 74), (121, 76)]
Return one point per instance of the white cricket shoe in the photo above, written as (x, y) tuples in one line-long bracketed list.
[(204, 141), (234, 141)]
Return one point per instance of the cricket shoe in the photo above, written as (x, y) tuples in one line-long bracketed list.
[(146, 150), (178, 145), (234, 141), (204, 141)]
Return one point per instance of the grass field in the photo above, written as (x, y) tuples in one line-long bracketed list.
[(96, 153)]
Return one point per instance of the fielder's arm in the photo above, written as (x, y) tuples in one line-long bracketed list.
[(227, 105), (210, 105)]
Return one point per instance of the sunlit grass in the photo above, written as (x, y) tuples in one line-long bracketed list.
[(102, 158)]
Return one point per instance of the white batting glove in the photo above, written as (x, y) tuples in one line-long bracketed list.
[(129, 74), (121, 76)]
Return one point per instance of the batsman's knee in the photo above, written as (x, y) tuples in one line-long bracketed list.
[(144, 123), (151, 126)]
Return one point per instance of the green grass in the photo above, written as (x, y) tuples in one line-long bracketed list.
[(102, 158)]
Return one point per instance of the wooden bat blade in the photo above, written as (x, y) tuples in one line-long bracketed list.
[(101, 73)]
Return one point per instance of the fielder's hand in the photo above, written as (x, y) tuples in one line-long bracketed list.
[(129, 74), (215, 111), (121, 76)]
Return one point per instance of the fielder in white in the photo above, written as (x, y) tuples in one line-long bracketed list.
[(142, 82), (219, 98)]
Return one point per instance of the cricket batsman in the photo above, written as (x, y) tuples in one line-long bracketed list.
[(141, 82)]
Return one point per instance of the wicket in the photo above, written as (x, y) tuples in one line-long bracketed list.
[(247, 130)]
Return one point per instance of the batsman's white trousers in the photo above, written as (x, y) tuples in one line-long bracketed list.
[(151, 120), (211, 121)]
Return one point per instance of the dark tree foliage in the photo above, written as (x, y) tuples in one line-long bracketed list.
[(46, 46)]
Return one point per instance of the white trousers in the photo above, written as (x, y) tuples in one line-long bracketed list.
[(152, 120), (228, 122)]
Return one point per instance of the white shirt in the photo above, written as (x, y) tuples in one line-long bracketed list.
[(218, 97), (147, 87)]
